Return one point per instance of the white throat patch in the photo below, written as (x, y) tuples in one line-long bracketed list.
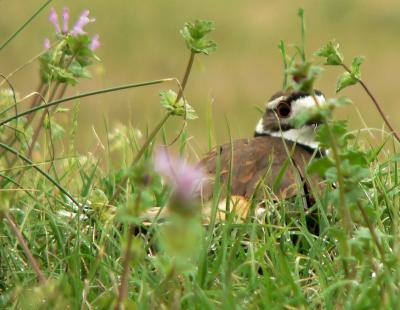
[(304, 135)]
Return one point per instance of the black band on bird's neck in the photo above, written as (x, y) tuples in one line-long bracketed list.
[(318, 152), (262, 134)]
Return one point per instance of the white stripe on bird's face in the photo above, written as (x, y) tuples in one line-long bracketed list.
[(304, 135), (271, 105), (304, 103)]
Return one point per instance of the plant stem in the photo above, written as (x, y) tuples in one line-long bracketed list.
[(156, 129), (123, 289), (10, 85), (344, 212), (185, 76), (46, 111), (189, 66), (371, 229), (139, 155), (25, 24), (285, 65), (15, 106), (42, 89), (36, 132), (56, 102), (303, 34), (62, 92), (377, 105), (88, 94), (35, 266)]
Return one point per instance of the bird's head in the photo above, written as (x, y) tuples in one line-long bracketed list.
[(281, 109)]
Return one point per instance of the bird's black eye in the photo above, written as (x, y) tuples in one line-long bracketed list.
[(283, 110)]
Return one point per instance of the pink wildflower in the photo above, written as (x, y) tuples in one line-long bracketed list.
[(185, 179), (65, 18), (53, 17), (82, 22), (46, 43), (95, 43)]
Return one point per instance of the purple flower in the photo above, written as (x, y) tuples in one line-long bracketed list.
[(46, 43), (185, 179), (77, 29), (82, 22), (95, 43), (53, 17), (65, 17)]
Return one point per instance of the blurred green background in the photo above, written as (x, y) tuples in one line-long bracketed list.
[(141, 41)]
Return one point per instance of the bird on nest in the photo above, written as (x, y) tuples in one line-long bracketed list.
[(277, 150), (273, 162)]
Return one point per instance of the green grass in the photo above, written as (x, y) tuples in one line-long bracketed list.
[(248, 265)]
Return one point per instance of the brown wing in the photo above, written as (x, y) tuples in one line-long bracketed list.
[(254, 159)]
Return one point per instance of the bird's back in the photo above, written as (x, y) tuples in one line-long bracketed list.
[(259, 158)]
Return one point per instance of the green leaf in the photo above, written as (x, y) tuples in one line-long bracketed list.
[(355, 66), (282, 48), (352, 172), (300, 13), (301, 118), (78, 71), (356, 157), (363, 233), (337, 128), (169, 102), (318, 114), (331, 52), (303, 76), (314, 115), (78, 46), (350, 78), (66, 61), (195, 35), (62, 75), (339, 102), (345, 79), (320, 165), (301, 49)]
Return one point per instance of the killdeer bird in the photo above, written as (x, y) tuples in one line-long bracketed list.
[(276, 156)]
